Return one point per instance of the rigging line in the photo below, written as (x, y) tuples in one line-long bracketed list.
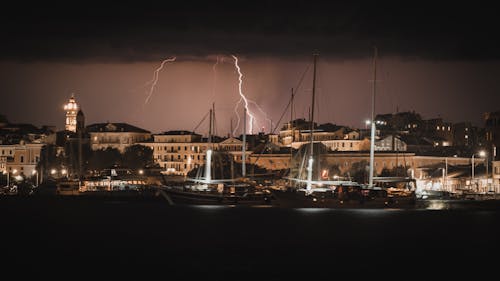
[(319, 93), (215, 125), (284, 111), (203, 119), (290, 100)]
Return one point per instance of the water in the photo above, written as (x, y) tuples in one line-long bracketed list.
[(70, 236)]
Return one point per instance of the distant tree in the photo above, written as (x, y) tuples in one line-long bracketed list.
[(137, 156), (104, 158), (399, 171), (49, 159), (359, 171)]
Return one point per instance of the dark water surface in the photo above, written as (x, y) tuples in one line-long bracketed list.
[(100, 239)]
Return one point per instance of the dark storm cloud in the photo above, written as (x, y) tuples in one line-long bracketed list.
[(147, 31)]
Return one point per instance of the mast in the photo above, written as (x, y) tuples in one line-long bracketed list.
[(291, 127), (311, 127), (208, 171), (292, 133), (243, 156), (372, 135)]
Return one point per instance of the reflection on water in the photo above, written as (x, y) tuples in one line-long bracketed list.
[(422, 205), (312, 210), (436, 205), (212, 207)]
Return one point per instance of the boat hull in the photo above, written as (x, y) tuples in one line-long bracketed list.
[(181, 197), (294, 199)]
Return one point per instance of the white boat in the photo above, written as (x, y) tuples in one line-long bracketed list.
[(208, 191)]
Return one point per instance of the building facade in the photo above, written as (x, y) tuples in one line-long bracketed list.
[(179, 152), (20, 159), (115, 135)]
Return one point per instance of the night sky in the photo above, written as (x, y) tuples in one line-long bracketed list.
[(439, 60)]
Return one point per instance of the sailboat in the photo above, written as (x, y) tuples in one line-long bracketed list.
[(339, 193), (206, 190)]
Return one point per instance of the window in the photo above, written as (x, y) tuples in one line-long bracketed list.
[(22, 159)]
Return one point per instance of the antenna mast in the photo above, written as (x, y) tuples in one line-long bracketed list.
[(372, 135), (311, 127)]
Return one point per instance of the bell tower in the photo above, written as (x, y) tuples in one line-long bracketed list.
[(71, 114)]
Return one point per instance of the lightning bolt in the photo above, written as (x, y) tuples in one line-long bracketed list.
[(155, 78), (261, 110), (214, 68), (243, 97), (237, 116)]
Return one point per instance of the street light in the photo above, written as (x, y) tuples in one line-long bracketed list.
[(482, 153), (6, 173), (64, 172), (35, 174)]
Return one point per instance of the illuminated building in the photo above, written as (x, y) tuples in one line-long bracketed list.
[(115, 135), (178, 152), (71, 109), (22, 158)]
